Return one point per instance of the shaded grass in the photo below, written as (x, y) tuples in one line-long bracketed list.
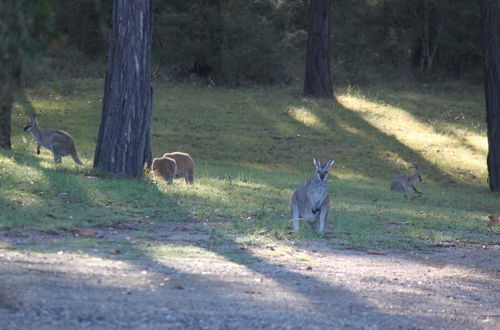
[(252, 147)]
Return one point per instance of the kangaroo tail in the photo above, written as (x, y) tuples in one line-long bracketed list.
[(76, 159)]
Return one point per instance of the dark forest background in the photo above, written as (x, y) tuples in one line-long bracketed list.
[(235, 42)]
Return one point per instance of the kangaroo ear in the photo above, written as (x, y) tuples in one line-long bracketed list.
[(317, 162), (329, 163)]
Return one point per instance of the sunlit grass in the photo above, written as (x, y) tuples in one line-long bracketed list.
[(455, 151), (252, 147), (306, 117)]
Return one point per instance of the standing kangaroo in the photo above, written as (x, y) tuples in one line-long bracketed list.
[(406, 183), (59, 142), (310, 200)]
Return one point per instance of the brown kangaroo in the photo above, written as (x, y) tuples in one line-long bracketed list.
[(59, 142)]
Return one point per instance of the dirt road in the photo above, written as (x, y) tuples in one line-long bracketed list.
[(195, 285)]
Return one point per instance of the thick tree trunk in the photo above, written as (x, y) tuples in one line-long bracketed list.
[(490, 23), (318, 81), (124, 142)]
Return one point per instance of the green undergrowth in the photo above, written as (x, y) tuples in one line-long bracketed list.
[(252, 147)]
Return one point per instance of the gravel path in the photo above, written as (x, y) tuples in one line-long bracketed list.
[(294, 286)]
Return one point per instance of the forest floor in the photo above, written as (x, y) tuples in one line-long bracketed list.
[(194, 280)]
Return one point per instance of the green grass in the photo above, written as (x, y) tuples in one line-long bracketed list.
[(252, 147)]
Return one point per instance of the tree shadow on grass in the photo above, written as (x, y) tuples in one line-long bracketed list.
[(65, 197), (329, 130)]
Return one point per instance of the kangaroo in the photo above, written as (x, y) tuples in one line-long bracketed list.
[(59, 142), (310, 200), (185, 165), (406, 183), (166, 167)]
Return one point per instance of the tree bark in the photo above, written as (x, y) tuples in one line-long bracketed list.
[(318, 81), (5, 117), (124, 141), (490, 25)]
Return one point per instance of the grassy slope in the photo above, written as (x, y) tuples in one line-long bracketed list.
[(252, 147)]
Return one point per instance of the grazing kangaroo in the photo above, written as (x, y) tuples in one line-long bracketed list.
[(406, 183), (310, 200), (166, 167), (185, 165), (59, 142)]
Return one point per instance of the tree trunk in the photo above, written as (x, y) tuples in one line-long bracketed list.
[(124, 142), (318, 81), (428, 25), (5, 115), (490, 24), (208, 61), (10, 81)]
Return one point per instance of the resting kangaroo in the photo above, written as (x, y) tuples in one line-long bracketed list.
[(185, 165), (59, 142), (310, 200), (406, 183)]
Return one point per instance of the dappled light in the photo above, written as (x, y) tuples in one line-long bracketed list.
[(456, 152), (306, 117), (283, 203)]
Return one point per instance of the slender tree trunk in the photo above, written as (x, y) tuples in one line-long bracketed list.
[(10, 81), (318, 81), (490, 23), (5, 115), (208, 60), (124, 142), (428, 25)]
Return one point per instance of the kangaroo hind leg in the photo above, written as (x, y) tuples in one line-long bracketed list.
[(295, 214)]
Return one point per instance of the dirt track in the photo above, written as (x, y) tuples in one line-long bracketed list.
[(304, 286)]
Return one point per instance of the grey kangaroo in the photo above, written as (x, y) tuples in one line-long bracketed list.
[(310, 200), (406, 184), (59, 142)]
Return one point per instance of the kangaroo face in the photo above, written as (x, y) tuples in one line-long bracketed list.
[(417, 172), (30, 125), (322, 169)]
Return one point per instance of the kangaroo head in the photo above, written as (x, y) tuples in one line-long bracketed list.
[(31, 124), (322, 169), (417, 174)]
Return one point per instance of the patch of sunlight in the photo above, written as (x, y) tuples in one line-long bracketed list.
[(48, 107), (246, 180), (350, 129), (22, 199), (463, 152), (171, 251), (201, 189), (80, 265), (20, 172), (479, 142), (346, 174), (228, 273), (306, 117)]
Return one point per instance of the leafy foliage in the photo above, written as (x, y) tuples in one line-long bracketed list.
[(25, 29), (264, 41)]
